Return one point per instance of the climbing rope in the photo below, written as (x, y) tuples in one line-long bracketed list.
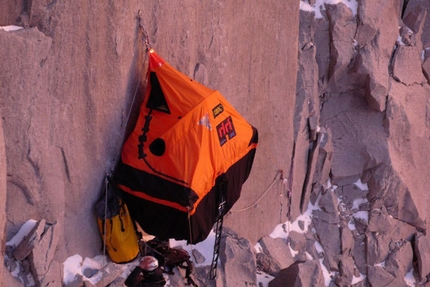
[(279, 173), (142, 29), (105, 224), (124, 124), (147, 48)]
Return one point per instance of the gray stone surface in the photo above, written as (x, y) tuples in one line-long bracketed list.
[(267, 264), (329, 237), (346, 271), (2, 204), (347, 240), (197, 256), (407, 65), (238, 260), (328, 202), (351, 192), (360, 111), (379, 220), (399, 261), (426, 69), (359, 253), (378, 276), (323, 165), (331, 218), (278, 249), (297, 241), (258, 60), (387, 184), (300, 274), (377, 247), (305, 107), (43, 256), (422, 252)]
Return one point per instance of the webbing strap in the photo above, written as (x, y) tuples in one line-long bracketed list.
[(218, 232), (214, 264)]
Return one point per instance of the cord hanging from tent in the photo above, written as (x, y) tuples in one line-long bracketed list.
[(105, 221), (279, 172), (125, 122), (147, 48)]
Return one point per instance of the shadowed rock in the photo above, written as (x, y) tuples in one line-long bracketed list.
[(328, 201), (422, 252), (297, 241), (300, 274), (329, 237), (378, 276), (386, 184), (399, 261), (277, 249), (378, 220), (377, 247)]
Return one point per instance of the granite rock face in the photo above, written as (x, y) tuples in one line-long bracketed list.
[(341, 102), (367, 76)]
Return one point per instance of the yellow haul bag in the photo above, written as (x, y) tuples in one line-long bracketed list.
[(117, 228)]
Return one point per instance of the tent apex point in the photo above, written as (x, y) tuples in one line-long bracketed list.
[(155, 60)]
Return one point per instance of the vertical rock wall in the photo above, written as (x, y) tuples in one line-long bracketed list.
[(2, 202), (248, 52), (362, 132)]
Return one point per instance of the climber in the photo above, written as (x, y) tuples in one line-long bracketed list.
[(147, 274)]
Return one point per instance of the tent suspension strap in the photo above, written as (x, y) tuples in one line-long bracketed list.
[(279, 172), (147, 48), (190, 231), (126, 118), (144, 33)]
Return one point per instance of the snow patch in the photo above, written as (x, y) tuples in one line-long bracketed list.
[(410, 279), (263, 279), (319, 6), (10, 28), (283, 230), (205, 248), (364, 215), (361, 185), (357, 202), (23, 231), (356, 280), (327, 275), (72, 267)]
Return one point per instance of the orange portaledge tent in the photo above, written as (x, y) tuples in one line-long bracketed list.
[(188, 155)]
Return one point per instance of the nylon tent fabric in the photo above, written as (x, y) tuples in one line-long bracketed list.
[(189, 150)]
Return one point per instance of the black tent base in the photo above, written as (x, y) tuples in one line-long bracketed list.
[(167, 222)]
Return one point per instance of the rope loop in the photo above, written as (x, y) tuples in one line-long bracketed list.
[(144, 33), (280, 174)]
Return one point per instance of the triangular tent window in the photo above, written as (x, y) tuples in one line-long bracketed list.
[(157, 100)]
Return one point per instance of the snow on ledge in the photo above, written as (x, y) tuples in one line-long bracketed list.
[(23, 232), (319, 5), (10, 28)]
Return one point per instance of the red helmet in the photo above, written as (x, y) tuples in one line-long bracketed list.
[(149, 263)]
